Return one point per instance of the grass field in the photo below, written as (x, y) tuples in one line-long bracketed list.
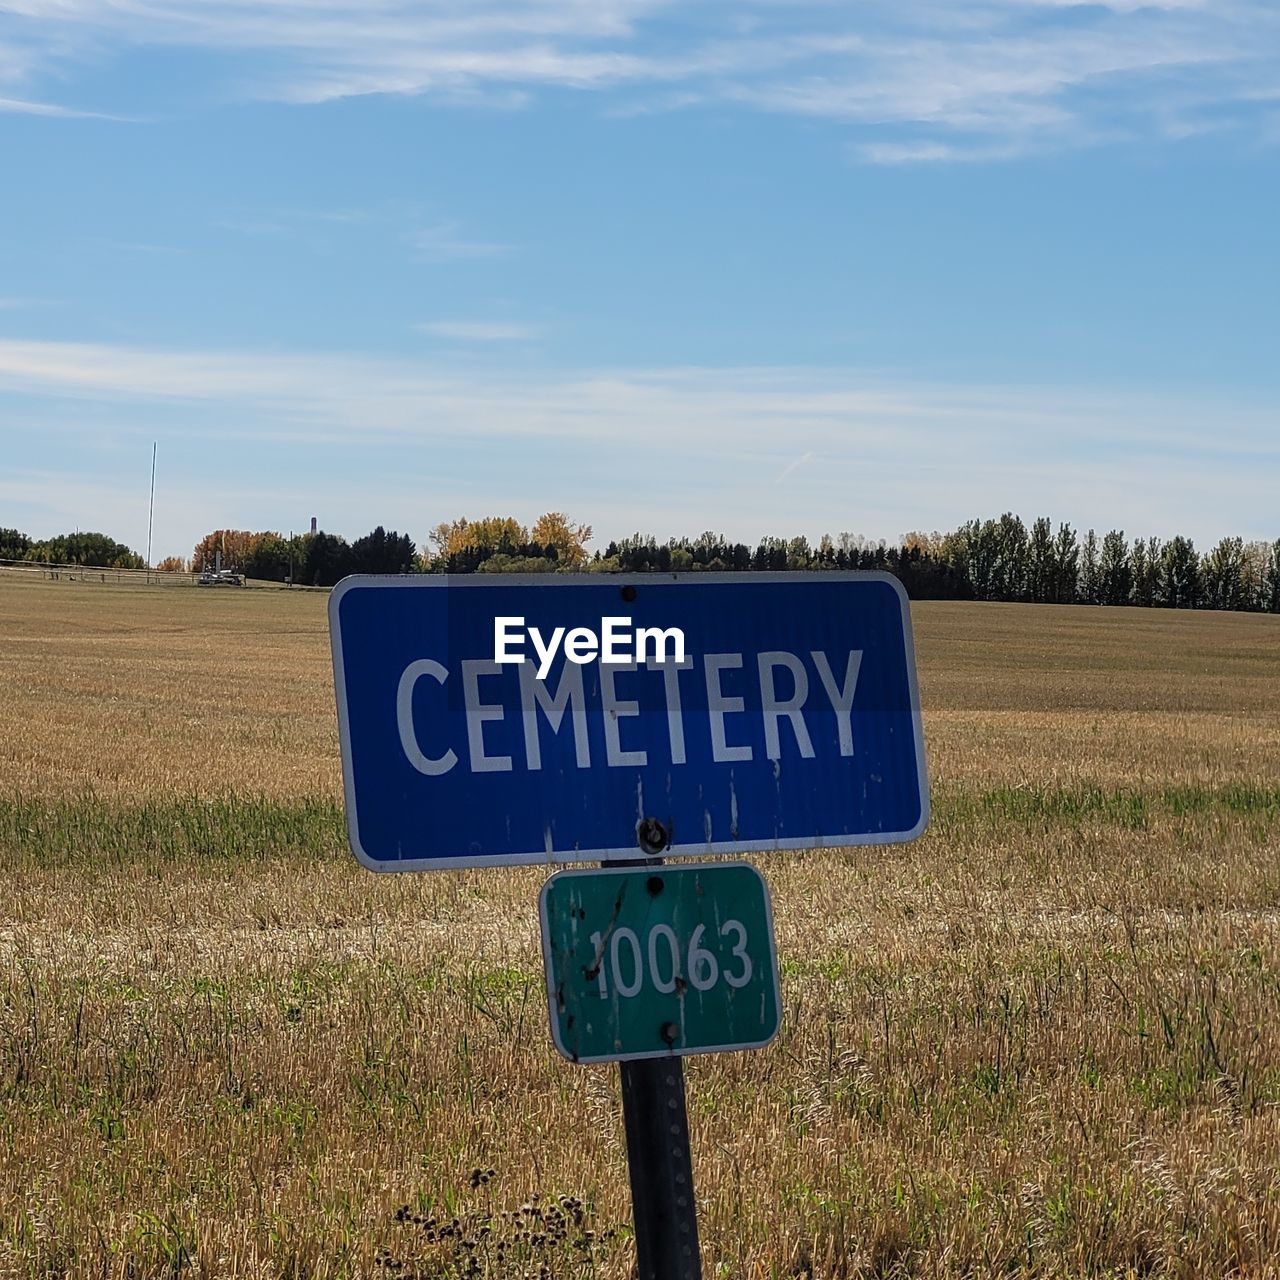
[(1042, 1041)]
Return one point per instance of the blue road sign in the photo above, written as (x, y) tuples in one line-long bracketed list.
[(793, 720)]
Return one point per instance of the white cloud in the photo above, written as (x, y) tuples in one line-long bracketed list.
[(696, 408), (794, 465), (899, 153), (477, 331), (21, 106), (134, 246), (672, 450), (924, 80), (445, 241)]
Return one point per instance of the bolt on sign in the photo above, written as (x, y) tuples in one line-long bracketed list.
[(645, 962)]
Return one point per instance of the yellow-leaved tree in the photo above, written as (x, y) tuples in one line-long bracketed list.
[(234, 544), (927, 544), (555, 529), (492, 533)]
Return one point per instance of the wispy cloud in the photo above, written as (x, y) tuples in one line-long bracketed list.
[(22, 106), (134, 246), (388, 439), (754, 408), (928, 81), (902, 153), (445, 241), (793, 466), (477, 331)]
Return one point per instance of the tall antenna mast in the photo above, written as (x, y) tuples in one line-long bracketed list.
[(151, 509)]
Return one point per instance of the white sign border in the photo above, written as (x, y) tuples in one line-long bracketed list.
[(562, 857), (655, 868)]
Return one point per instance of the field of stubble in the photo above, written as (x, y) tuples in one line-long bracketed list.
[(1042, 1041)]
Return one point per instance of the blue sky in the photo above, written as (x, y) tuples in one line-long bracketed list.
[(758, 267)]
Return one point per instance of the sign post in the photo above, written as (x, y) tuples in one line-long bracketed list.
[(660, 1169), (790, 719), (646, 962)]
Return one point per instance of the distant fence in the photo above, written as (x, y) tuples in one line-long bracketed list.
[(87, 573)]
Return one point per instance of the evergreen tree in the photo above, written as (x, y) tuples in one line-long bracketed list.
[(382, 552), (1144, 563), (1041, 566), (1115, 576), (1009, 573), (1179, 574), (1066, 556), (982, 552), (1271, 580), (328, 560), (1222, 575), (1090, 584)]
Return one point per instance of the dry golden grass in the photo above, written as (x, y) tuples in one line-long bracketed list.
[(1042, 1041), (128, 690), (1050, 695), (124, 690)]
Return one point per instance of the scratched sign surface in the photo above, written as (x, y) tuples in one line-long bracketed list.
[(793, 721), (648, 962)]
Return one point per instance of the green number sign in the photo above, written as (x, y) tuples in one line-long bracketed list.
[(645, 962)]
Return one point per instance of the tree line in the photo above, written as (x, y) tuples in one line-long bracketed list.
[(1001, 560), (93, 550), (493, 544), (994, 559), (313, 559)]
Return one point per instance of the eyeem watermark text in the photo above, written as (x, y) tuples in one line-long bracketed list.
[(618, 642)]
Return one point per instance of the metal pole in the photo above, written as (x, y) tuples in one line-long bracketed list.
[(661, 1169), (659, 1161), (151, 508)]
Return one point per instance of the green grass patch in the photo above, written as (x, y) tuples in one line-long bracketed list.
[(86, 831), (1130, 808)]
